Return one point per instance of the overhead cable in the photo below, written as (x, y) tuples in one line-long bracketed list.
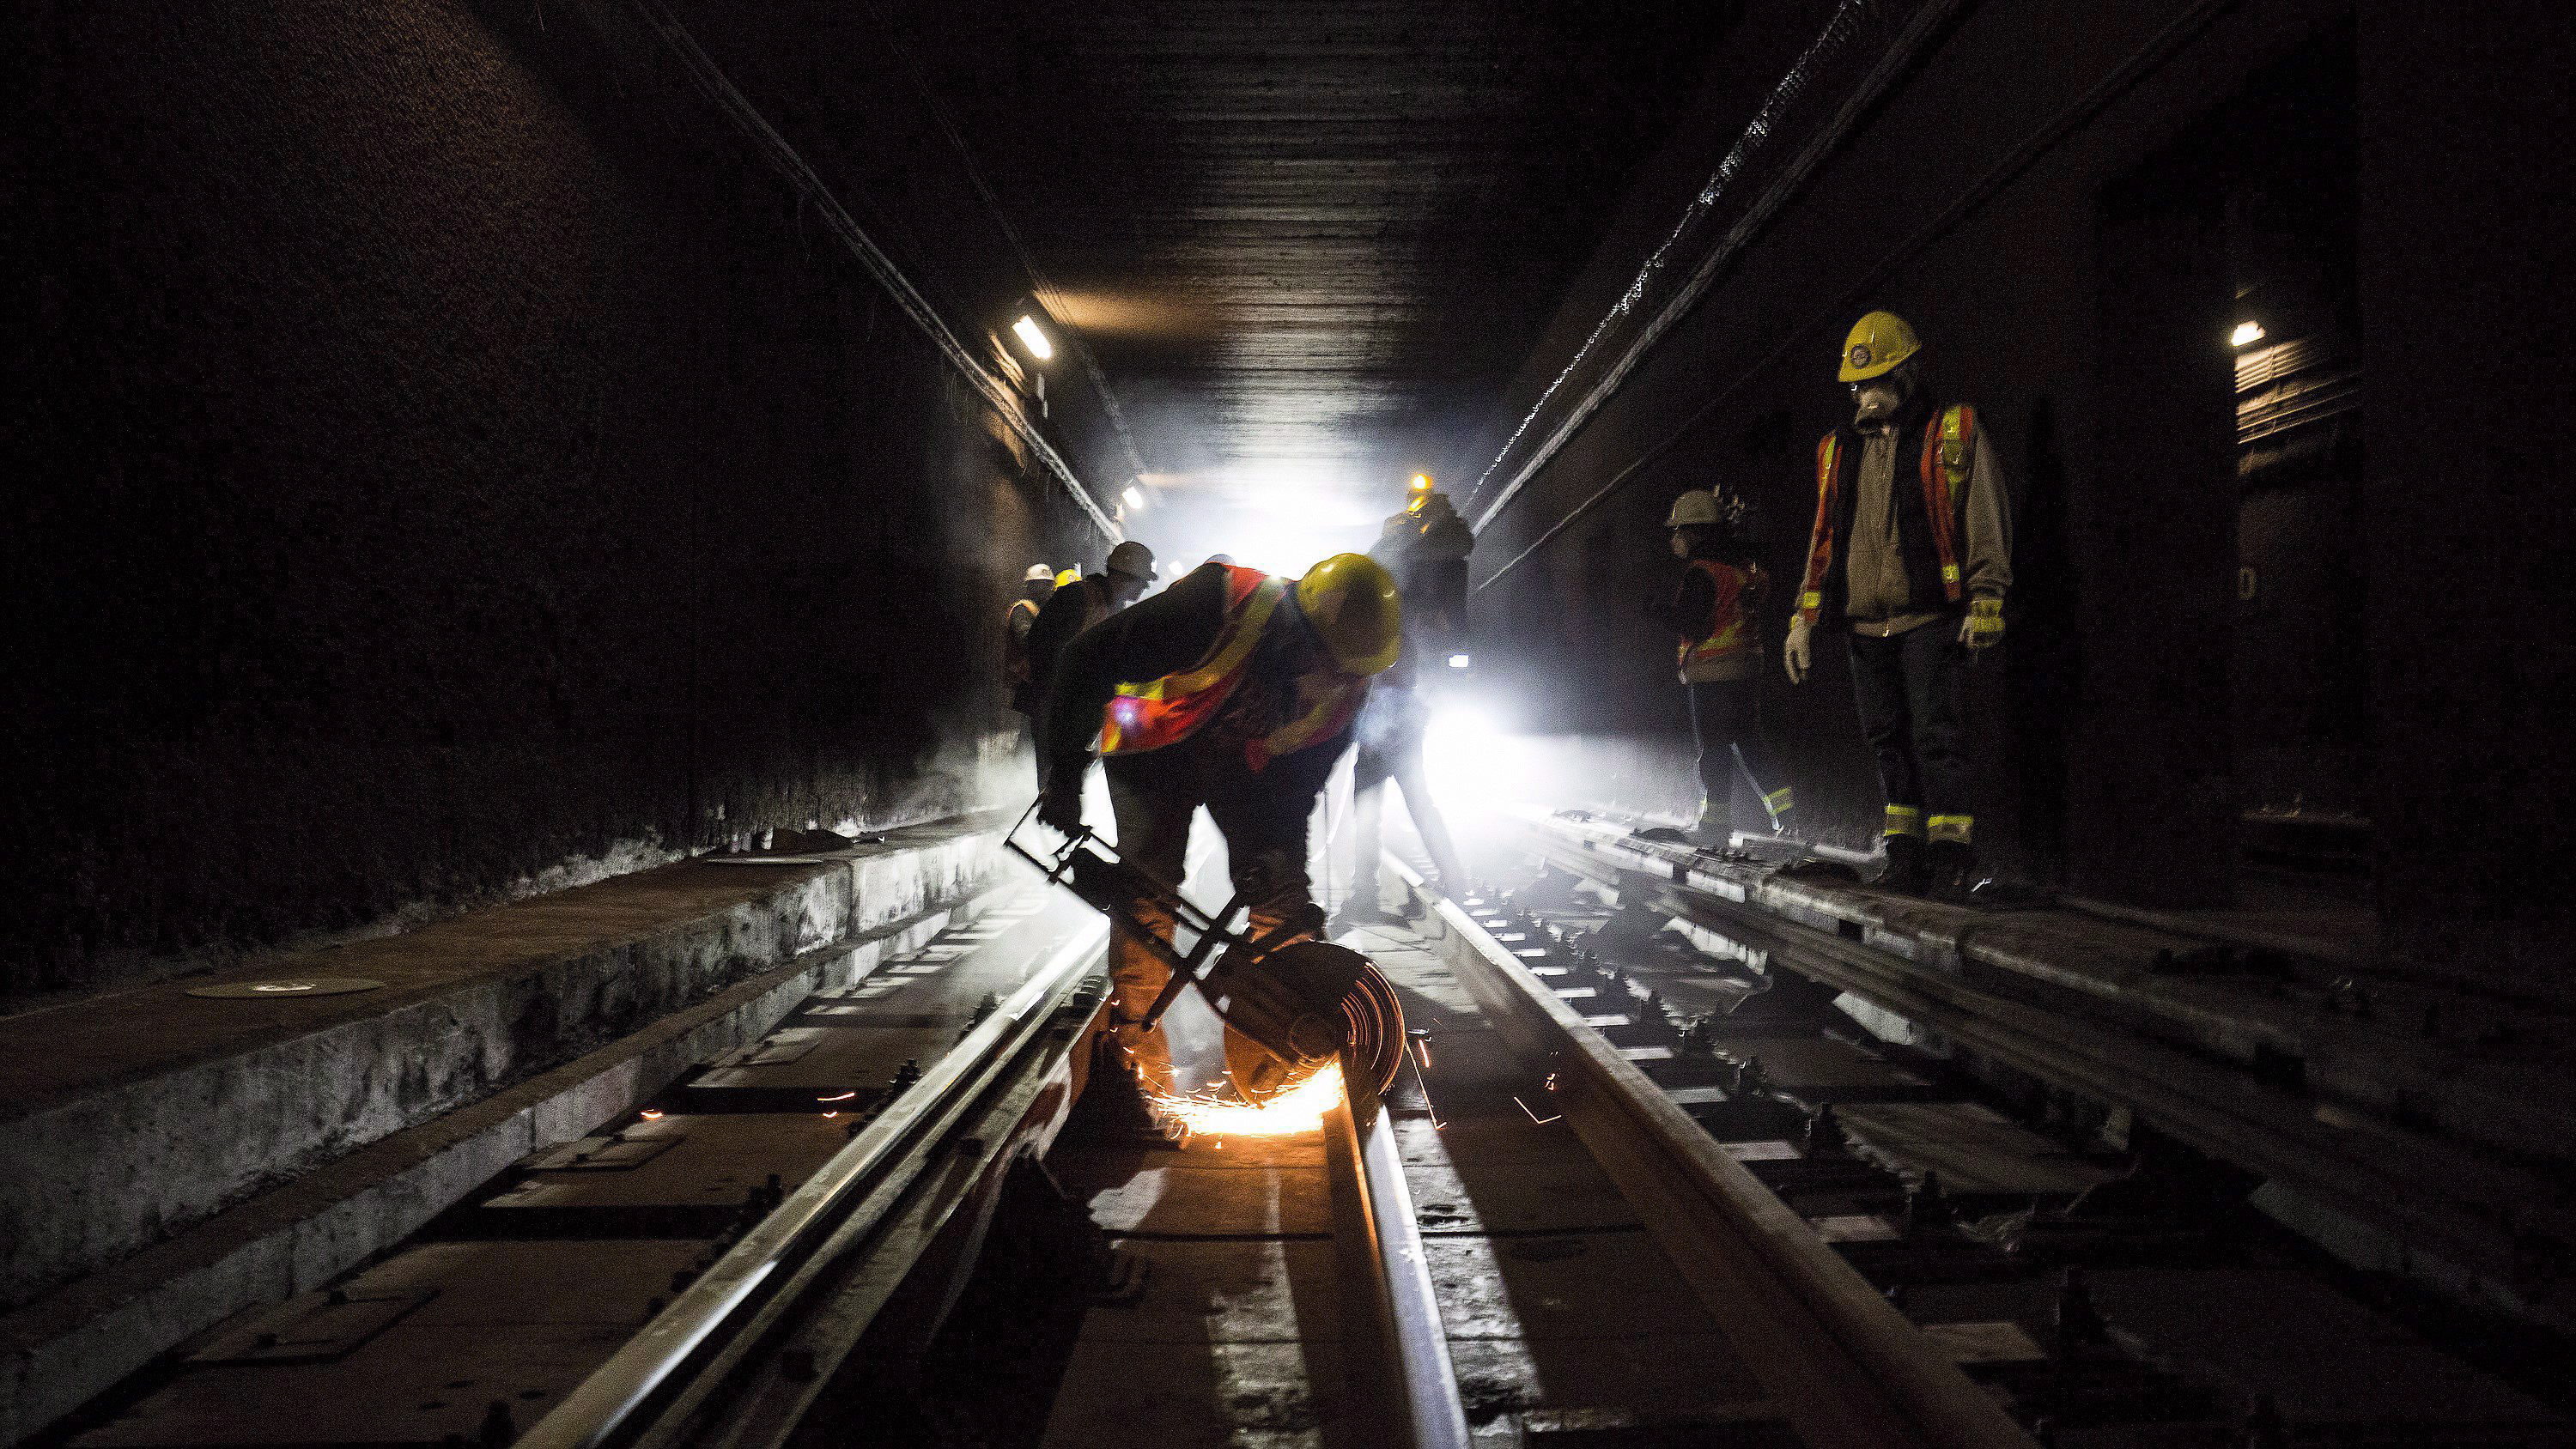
[(1898, 57), (783, 158)]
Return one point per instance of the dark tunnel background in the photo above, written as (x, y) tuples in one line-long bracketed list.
[(461, 471), (455, 466)]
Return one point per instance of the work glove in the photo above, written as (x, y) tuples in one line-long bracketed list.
[(1060, 804), (1797, 655), (1984, 626)]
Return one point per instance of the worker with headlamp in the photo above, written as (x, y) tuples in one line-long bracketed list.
[(1425, 546)]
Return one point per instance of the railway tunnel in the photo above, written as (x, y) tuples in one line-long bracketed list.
[(559, 896)]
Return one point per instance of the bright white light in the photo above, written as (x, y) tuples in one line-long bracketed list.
[(2247, 334), (1134, 499), (1460, 661), (1473, 765), (1033, 338)]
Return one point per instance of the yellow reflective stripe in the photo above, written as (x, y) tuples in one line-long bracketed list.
[(1779, 801), (1954, 443), (1949, 573), (1953, 827), (1904, 820), (1811, 599), (1243, 632)]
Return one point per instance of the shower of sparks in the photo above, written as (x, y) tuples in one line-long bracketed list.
[(1295, 1109)]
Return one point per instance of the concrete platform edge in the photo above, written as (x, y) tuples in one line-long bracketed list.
[(69, 1346), (107, 1167)]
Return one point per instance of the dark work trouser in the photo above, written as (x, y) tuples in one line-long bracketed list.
[(1153, 797), (1726, 719), (1910, 710), (1396, 759)]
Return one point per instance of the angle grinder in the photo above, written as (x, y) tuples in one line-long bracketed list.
[(1294, 1002)]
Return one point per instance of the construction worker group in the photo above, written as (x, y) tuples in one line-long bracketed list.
[(1910, 557), (1237, 691)]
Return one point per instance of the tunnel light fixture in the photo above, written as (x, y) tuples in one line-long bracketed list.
[(2246, 334), (1135, 497), (1460, 661), (1033, 337), (1421, 483)]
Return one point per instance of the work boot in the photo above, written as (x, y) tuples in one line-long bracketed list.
[(1716, 827), (1951, 866), (1904, 870), (1117, 1105)]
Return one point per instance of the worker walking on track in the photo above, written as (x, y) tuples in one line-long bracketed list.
[(1425, 546), (1718, 646), (1036, 586), (1912, 553), (1232, 690)]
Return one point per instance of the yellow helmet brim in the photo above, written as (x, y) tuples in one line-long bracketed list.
[(1354, 607), (1878, 344)]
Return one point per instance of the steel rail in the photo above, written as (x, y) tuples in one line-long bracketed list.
[(1843, 1363), (764, 1406), (749, 1287), (791, 167), (2368, 1171), (1406, 1383)]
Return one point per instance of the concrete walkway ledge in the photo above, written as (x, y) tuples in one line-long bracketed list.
[(128, 1120)]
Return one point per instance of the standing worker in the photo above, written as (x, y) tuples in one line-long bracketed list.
[(1425, 546), (1912, 552), (1035, 588), (1233, 690), (1717, 650), (1078, 605)]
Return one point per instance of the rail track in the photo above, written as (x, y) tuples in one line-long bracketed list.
[(701, 1270), (1602, 1201), (2107, 1279)]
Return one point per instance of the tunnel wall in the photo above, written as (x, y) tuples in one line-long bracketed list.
[(454, 469), (2090, 751), (2466, 223)]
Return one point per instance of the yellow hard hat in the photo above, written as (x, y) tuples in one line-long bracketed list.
[(1878, 342), (1068, 577), (1352, 601)]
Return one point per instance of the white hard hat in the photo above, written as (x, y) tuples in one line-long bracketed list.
[(1133, 559), (1037, 574), (1694, 507)]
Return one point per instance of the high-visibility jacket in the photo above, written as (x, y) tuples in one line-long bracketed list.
[(1928, 522), (1720, 648), (1015, 639), (1164, 712)]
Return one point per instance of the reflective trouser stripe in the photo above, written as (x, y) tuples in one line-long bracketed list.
[(1779, 801), (1953, 827), (1904, 820)]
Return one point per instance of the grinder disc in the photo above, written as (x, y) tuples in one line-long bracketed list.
[(1302, 1004)]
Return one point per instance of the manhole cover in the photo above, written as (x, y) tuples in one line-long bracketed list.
[(288, 986)]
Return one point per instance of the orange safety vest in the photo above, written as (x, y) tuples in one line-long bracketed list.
[(1730, 623), (1947, 453), (1166, 711), (1015, 639)]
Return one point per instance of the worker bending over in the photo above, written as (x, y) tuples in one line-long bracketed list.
[(1718, 645), (1233, 690), (1912, 552)]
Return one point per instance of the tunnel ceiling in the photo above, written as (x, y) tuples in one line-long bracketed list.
[(1308, 243)]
